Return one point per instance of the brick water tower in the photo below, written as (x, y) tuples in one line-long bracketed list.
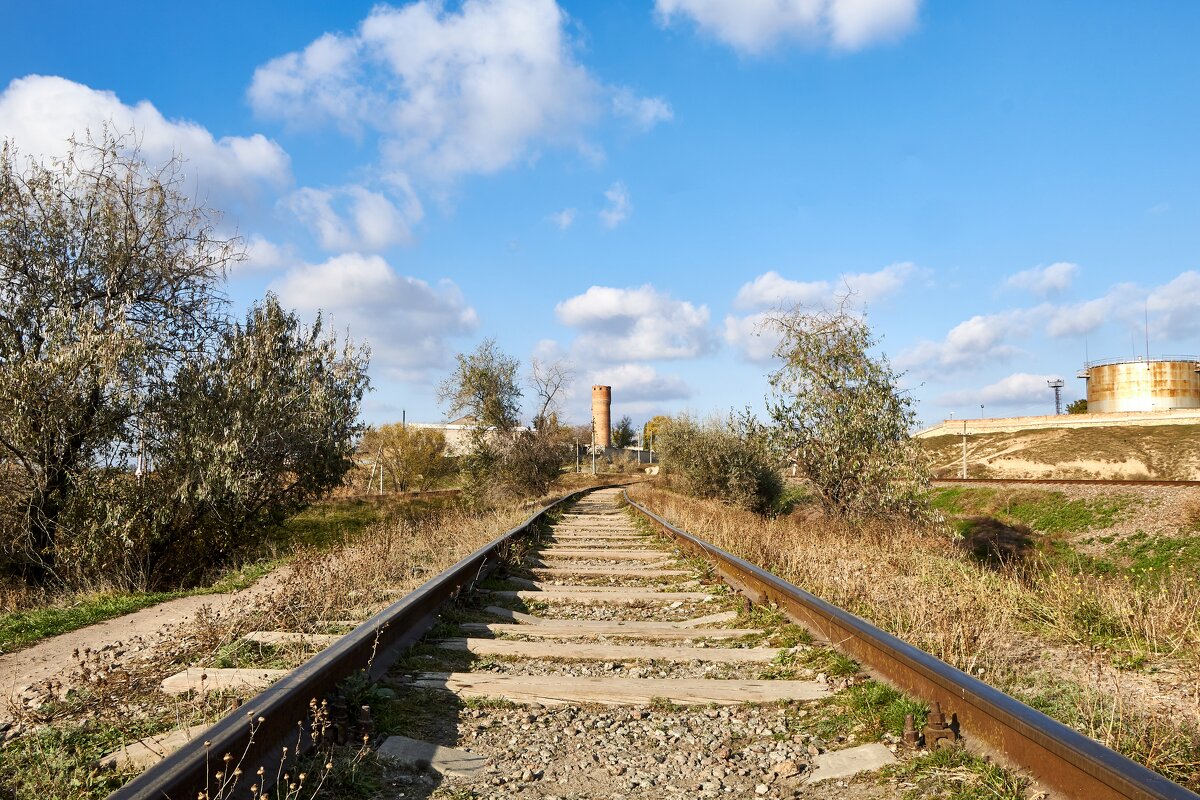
[(602, 415)]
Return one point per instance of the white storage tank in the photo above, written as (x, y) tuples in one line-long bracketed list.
[(1139, 384)]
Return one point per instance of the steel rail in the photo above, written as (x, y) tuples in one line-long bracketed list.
[(1073, 481), (256, 734), (1059, 757)]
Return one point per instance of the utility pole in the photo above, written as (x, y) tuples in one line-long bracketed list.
[(964, 468), (593, 445), (577, 467)]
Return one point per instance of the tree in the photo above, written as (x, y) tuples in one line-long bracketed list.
[(1077, 406), (549, 381), (484, 384), (503, 460), (116, 352), (410, 456), (250, 435), (623, 434), (840, 418), (108, 283), (655, 428)]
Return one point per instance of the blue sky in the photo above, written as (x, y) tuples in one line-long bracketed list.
[(632, 186)]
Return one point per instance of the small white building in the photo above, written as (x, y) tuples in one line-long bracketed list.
[(458, 433)]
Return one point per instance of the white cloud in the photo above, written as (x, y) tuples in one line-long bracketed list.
[(635, 325), (449, 92), (564, 218), (1045, 281), (982, 339), (354, 218), (771, 292), (1018, 389), (1177, 304), (643, 112), (39, 113), (755, 26), (619, 205), (640, 383), (752, 335), (263, 255), (405, 320)]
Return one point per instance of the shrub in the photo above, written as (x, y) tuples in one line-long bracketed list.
[(729, 461)]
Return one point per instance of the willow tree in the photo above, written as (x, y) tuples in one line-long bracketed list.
[(109, 281), (140, 422), (840, 417)]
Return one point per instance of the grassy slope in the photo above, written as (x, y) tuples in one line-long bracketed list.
[(1165, 452)]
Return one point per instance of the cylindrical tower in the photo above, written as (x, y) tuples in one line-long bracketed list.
[(1136, 384), (601, 415)]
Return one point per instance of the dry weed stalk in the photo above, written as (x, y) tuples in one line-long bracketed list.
[(922, 588), (122, 692)]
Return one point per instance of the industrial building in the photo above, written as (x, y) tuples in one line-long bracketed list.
[(1141, 384)]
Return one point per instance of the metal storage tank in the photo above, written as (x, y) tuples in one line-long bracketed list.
[(1138, 384)]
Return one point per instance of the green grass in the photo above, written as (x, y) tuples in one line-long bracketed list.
[(872, 709), (1045, 512), (1150, 557), (952, 773), (23, 628), (322, 526)]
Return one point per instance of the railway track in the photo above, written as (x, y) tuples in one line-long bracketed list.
[(1068, 481), (604, 661)]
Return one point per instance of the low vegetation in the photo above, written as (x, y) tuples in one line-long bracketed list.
[(988, 621), (28, 615), (65, 735), (731, 460)]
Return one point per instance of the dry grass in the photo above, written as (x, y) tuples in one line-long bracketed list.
[(921, 587), (114, 700)]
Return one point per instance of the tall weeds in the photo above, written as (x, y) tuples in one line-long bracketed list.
[(924, 589)]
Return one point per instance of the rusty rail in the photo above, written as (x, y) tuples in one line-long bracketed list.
[(1057, 756), (254, 735), (1071, 481)]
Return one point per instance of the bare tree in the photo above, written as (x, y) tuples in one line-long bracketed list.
[(549, 381)]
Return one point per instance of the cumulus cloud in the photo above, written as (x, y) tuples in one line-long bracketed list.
[(1176, 304), (354, 218), (640, 324), (634, 383), (769, 293), (619, 205), (772, 290), (1045, 281), (643, 112), (39, 113), (449, 93), (755, 26), (405, 320), (263, 255), (563, 219), (982, 339), (1018, 389), (752, 335)]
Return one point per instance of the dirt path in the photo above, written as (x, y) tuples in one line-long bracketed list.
[(131, 637)]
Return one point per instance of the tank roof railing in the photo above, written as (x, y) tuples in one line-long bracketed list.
[(1104, 362)]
